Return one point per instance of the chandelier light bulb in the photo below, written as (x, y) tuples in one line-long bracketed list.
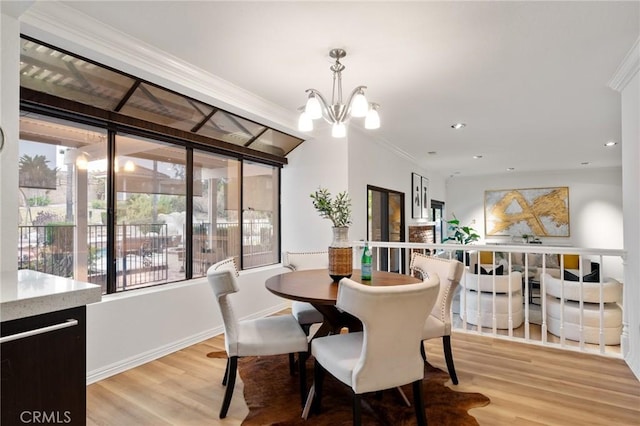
[(313, 108), (339, 130), (359, 105), (305, 124), (372, 121)]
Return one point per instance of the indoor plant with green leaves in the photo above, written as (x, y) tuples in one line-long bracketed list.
[(460, 234), (338, 210)]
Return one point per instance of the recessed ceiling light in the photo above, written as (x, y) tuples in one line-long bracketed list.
[(458, 126), (510, 169), (475, 157), (611, 143)]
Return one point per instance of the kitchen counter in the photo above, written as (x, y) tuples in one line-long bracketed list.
[(26, 293)]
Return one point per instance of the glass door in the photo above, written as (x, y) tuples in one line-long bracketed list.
[(385, 222), (437, 209)]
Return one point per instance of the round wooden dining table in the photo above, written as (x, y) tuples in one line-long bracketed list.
[(315, 286)]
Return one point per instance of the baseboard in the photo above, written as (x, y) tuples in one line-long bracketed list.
[(144, 357)]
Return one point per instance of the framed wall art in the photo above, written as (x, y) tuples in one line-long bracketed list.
[(541, 212), (416, 196), (424, 191)]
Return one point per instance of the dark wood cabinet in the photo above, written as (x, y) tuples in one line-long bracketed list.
[(43, 369)]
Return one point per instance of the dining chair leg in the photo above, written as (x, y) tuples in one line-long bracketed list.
[(302, 365), (357, 411), (306, 328), (318, 379), (448, 356), (418, 402), (231, 382), (292, 365), (226, 373), (422, 352)]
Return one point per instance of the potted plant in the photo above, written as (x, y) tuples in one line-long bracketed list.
[(338, 211), (460, 234)]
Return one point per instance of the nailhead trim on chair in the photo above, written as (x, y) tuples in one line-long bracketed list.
[(226, 262), (291, 265), (443, 305)]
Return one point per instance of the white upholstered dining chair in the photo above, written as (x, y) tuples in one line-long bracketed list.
[(386, 353), (274, 335), (304, 312), (438, 324)]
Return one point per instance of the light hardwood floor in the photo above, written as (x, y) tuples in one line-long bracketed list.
[(527, 385)]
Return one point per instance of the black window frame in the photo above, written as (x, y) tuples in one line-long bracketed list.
[(113, 122)]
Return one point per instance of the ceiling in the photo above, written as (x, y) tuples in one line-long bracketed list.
[(530, 79)]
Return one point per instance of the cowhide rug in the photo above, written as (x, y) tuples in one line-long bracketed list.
[(272, 397)]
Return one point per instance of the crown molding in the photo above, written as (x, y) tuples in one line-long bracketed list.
[(65, 27), (384, 143), (627, 69)]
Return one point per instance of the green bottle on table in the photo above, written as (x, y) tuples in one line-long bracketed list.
[(366, 263)]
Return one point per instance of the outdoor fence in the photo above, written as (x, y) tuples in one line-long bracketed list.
[(144, 253)]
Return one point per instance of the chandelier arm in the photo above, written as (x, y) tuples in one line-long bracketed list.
[(347, 110), (327, 112)]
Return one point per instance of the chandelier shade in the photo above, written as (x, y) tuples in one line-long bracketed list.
[(338, 113)]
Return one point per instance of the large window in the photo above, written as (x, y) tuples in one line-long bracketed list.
[(260, 219), (62, 198), (127, 184), (156, 235), (216, 207), (150, 201)]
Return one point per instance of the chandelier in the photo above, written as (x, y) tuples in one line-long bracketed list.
[(338, 113)]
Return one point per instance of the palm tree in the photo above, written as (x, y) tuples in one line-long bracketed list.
[(35, 173)]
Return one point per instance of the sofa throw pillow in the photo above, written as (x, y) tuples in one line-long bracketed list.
[(482, 270), (552, 261), (499, 270), (592, 277), (568, 276)]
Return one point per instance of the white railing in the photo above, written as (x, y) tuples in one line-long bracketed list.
[(574, 315)]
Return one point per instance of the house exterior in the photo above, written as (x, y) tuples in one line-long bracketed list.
[(122, 332)]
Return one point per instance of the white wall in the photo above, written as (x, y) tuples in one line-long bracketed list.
[(126, 330), (318, 162), (631, 189), (595, 207), (374, 163), (595, 203), (347, 164)]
